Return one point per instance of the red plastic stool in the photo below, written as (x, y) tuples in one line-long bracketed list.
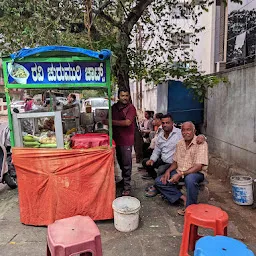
[(74, 235), (201, 215)]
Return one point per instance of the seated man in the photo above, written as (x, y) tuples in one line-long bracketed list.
[(146, 127), (161, 157), (147, 151), (189, 161)]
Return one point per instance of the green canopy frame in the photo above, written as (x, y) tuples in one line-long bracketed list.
[(51, 85)]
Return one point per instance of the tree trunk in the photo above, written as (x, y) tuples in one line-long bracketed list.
[(121, 68)]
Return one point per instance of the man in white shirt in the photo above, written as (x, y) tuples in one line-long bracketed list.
[(162, 154)]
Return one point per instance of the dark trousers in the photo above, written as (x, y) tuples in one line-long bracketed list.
[(160, 164), (124, 158), (138, 145), (147, 152), (172, 193)]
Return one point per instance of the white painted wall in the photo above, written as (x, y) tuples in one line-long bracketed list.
[(162, 98), (133, 92), (204, 51), (149, 95)]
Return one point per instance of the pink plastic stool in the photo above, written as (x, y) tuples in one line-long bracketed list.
[(74, 235)]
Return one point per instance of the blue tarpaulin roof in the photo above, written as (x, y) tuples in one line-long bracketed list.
[(60, 50)]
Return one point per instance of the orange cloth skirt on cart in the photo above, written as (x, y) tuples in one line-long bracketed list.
[(55, 183)]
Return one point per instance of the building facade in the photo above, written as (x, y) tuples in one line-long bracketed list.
[(230, 108), (144, 95)]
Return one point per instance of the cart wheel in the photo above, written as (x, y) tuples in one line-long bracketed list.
[(10, 181)]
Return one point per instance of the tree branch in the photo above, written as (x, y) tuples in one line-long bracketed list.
[(101, 8), (100, 12), (104, 5), (109, 19), (135, 14), (123, 7)]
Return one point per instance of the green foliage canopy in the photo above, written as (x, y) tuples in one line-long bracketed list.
[(144, 41)]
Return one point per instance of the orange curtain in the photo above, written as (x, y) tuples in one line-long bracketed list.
[(55, 183)]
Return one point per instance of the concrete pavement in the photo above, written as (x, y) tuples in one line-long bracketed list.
[(159, 232)]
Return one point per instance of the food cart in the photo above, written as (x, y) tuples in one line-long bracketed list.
[(55, 183)]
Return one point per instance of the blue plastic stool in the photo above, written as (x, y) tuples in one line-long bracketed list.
[(221, 246)]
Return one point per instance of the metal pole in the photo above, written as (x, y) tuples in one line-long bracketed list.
[(140, 48), (108, 77), (8, 102)]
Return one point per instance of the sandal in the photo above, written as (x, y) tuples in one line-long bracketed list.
[(126, 193), (181, 211), (151, 193)]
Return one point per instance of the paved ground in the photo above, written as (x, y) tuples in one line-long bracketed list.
[(159, 232)]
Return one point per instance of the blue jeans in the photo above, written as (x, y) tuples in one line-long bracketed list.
[(172, 193)]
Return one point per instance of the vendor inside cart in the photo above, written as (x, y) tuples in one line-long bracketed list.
[(72, 100)]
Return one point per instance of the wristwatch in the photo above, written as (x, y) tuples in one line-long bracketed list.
[(183, 174)]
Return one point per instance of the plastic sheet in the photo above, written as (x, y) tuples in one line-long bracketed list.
[(89, 140), (55, 183), (54, 49)]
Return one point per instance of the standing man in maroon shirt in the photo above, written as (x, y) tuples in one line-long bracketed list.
[(123, 115)]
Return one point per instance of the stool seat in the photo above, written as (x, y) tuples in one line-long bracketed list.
[(201, 215), (221, 246), (76, 234), (205, 215)]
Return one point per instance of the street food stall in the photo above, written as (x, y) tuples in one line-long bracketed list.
[(63, 169)]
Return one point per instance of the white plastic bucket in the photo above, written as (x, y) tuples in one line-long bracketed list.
[(126, 213), (242, 190)]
